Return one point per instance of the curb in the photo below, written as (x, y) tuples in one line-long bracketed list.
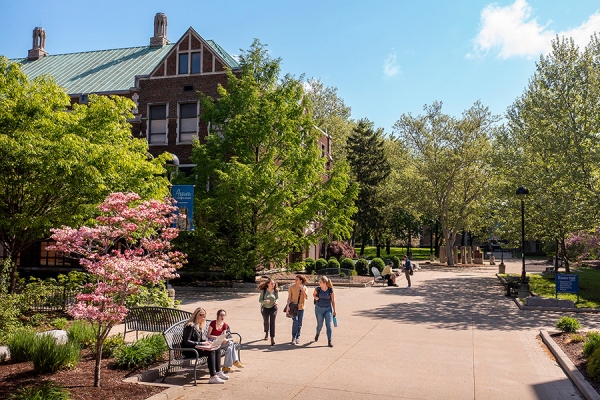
[(171, 393), (584, 387)]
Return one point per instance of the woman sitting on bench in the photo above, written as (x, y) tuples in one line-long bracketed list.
[(215, 328), (193, 335)]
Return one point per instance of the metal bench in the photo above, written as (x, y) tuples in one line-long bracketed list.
[(153, 319), (174, 336), (377, 278)]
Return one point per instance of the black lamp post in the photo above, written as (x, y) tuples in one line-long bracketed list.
[(522, 191)]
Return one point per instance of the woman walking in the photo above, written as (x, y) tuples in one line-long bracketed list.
[(297, 293), (269, 294), (193, 335), (217, 327), (324, 307)]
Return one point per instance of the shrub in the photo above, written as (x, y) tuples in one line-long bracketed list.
[(309, 265), (593, 367), (141, 353), (83, 333), (333, 263), (45, 391), (396, 261), (347, 263), (150, 295), (20, 344), (576, 338), (378, 262), (112, 345), (340, 249), (49, 356), (9, 316), (37, 319), (362, 266), (320, 264), (59, 323), (568, 324), (296, 266), (591, 343)]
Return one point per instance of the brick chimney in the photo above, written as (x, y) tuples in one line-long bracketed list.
[(160, 31), (39, 42)]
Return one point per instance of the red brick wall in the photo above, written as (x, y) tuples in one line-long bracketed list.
[(170, 90)]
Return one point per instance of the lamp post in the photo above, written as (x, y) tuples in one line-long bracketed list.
[(171, 165), (522, 191)]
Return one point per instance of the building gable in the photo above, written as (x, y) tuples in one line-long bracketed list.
[(193, 55)]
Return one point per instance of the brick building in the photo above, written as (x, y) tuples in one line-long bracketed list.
[(162, 78)]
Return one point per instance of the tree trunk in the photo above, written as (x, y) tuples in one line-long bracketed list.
[(556, 258), (563, 251), (437, 240), (362, 248), (12, 278), (99, 344), (388, 245)]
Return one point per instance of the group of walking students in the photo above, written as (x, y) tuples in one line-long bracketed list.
[(195, 338), (324, 301)]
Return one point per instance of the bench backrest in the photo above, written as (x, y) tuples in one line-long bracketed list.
[(376, 272), (154, 319), (174, 334)]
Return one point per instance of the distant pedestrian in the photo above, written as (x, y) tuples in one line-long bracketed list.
[(269, 294), (407, 270), (297, 293), (389, 274), (324, 307)]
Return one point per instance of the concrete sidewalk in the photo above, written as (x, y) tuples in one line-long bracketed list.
[(454, 335)]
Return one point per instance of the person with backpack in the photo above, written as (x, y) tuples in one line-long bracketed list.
[(324, 307), (407, 270), (297, 293), (269, 294)]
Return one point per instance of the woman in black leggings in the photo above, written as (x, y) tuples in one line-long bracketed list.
[(269, 294), (193, 335)]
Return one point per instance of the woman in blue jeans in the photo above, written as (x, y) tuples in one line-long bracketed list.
[(324, 307)]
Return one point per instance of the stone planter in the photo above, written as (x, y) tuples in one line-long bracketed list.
[(501, 268)]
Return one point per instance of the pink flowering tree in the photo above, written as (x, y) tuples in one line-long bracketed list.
[(129, 245)]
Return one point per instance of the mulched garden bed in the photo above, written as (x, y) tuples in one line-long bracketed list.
[(574, 350), (79, 381)]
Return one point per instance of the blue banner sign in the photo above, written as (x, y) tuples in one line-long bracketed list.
[(566, 283), (184, 194)]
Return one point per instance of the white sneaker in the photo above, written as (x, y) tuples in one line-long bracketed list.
[(222, 376), (408, 287), (297, 341), (215, 379), (293, 340)]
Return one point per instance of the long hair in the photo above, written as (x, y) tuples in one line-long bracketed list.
[(192, 321), (327, 281), (264, 285)]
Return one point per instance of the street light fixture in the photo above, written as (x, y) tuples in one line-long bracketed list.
[(171, 165), (522, 191)]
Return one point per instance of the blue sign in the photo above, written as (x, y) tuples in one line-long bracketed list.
[(566, 283), (184, 195)]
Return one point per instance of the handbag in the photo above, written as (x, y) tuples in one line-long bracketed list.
[(292, 309), (410, 272)]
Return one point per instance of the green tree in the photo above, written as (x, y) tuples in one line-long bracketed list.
[(265, 191), (551, 145), (370, 168), (452, 160), (331, 115), (58, 162)]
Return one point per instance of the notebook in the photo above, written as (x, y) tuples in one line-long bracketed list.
[(215, 344)]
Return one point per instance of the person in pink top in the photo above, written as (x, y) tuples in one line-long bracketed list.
[(217, 327)]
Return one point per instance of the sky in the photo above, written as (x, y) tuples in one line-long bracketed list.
[(385, 57)]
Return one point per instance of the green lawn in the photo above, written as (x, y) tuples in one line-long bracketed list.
[(418, 253), (589, 287)]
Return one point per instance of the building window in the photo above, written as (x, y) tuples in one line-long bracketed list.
[(183, 63), (322, 150), (195, 63), (188, 122), (158, 125), (50, 257)]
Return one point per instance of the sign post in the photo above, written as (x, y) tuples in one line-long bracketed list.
[(567, 283)]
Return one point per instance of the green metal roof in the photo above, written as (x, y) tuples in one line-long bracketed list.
[(231, 62), (97, 71), (105, 70)]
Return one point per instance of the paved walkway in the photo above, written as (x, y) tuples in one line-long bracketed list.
[(452, 336)]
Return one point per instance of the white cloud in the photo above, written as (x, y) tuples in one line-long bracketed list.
[(390, 66), (514, 31)]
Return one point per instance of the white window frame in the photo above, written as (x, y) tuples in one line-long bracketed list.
[(180, 124)]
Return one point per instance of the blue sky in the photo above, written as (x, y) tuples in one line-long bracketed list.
[(386, 58)]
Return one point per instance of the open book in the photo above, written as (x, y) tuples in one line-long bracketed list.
[(215, 344)]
